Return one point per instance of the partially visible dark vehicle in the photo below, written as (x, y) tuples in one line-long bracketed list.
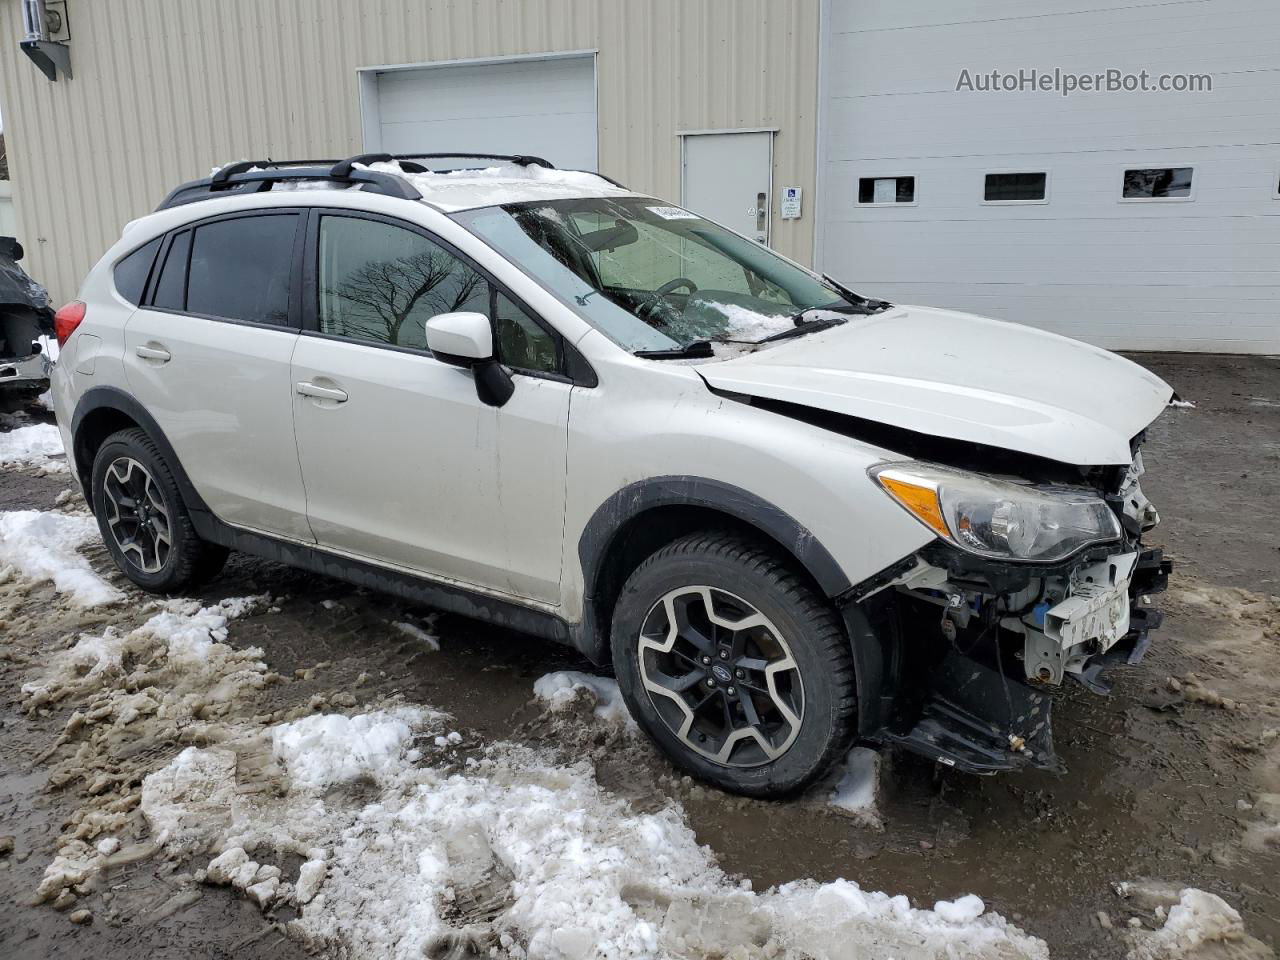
[(24, 317)]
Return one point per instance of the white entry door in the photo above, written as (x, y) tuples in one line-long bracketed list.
[(728, 178)]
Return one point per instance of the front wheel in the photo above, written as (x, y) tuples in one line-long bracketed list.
[(734, 665)]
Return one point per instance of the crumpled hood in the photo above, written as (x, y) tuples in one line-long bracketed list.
[(961, 376)]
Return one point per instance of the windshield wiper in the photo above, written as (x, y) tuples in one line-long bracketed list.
[(871, 306), (805, 326), (697, 350)]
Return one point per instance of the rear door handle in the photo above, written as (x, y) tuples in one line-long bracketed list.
[(307, 389), (147, 352)]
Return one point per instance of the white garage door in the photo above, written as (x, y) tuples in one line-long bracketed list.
[(913, 170), (544, 108)]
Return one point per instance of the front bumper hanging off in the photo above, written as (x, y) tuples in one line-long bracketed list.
[(982, 711)]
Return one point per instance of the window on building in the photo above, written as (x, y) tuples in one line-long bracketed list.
[(1157, 183), (171, 288), (887, 190), (131, 273), (1015, 187), (241, 268)]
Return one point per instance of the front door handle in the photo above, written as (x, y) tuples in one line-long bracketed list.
[(149, 352), (308, 389)]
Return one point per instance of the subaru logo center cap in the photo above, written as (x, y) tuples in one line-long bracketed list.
[(721, 673)]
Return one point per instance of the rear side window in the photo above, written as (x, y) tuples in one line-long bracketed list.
[(241, 269), (131, 273), (171, 288)]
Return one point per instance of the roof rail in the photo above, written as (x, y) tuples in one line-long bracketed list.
[(246, 177), (344, 167), (223, 174)]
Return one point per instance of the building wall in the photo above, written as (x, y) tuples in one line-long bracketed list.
[(165, 89), (1196, 274)]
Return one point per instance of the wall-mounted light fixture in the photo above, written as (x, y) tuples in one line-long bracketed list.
[(48, 33)]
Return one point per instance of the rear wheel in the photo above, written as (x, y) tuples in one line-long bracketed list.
[(734, 665), (142, 517)]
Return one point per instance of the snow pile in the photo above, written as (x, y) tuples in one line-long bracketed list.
[(407, 855), (327, 749), (39, 445), (182, 642), (43, 546), (561, 690), (1183, 404), (858, 787), (138, 692), (1197, 920)]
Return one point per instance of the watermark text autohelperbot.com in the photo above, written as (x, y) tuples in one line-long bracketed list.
[(1066, 82)]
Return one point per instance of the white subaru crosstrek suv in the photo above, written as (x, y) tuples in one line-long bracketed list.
[(789, 515)]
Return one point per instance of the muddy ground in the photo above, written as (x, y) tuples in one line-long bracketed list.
[(1165, 779)]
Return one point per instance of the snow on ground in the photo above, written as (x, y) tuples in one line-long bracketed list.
[(858, 787), (426, 637), (508, 850), (38, 445), (44, 546), (1192, 927), (559, 691)]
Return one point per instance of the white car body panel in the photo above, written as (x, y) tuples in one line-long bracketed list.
[(218, 401), (956, 375), (656, 420), (412, 469)]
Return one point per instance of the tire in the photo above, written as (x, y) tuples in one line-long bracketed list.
[(158, 556), (790, 630)]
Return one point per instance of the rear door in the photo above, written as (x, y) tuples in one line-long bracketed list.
[(402, 461), (207, 354)]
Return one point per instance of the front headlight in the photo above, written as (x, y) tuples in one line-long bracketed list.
[(998, 518)]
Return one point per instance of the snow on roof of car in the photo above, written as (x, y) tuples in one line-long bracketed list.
[(503, 183)]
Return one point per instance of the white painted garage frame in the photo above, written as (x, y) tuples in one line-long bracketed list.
[(370, 105)]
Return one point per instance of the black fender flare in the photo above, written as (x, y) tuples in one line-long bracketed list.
[(113, 398), (591, 635), (600, 531)]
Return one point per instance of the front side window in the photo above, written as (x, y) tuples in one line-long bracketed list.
[(382, 283), (654, 277), (241, 268)]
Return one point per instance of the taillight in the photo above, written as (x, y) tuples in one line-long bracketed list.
[(66, 320)]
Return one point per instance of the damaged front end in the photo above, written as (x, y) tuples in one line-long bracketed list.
[(1029, 584)]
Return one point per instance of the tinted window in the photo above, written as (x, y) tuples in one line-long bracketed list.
[(1014, 186), (521, 342), (1155, 183), (131, 273), (240, 269), (171, 289), (887, 190), (382, 283)]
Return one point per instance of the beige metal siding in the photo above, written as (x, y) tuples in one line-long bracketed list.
[(165, 89)]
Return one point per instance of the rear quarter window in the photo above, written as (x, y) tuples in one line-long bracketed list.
[(132, 272)]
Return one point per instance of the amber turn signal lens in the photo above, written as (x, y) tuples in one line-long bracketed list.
[(920, 500)]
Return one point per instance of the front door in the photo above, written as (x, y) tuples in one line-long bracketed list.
[(403, 463), (728, 178), (207, 354)]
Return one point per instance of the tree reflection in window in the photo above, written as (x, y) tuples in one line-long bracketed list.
[(382, 283)]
